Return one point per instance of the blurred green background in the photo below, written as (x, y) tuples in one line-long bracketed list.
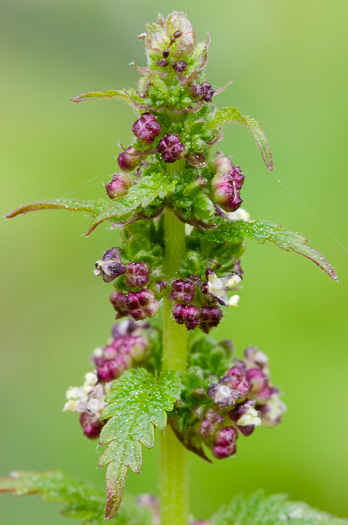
[(288, 61)]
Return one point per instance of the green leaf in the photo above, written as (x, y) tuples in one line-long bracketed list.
[(90, 207), (233, 116), (100, 95), (139, 196), (138, 402), (262, 231), (82, 500), (271, 510)]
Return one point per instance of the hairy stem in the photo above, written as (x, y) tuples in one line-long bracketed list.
[(173, 456)]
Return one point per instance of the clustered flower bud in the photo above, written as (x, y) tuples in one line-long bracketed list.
[(196, 302), (138, 305), (236, 403), (203, 91), (128, 347), (180, 66), (137, 275), (119, 185), (110, 266), (146, 128), (226, 184), (170, 148)]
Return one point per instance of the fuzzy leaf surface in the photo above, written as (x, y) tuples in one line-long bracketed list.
[(91, 207), (233, 116), (271, 510), (82, 500), (139, 196), (262, 231), (138, 402)]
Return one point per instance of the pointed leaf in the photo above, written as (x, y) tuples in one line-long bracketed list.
[(83, 500), (139, 196), (262, 231), (90, 207), (100, 95), (271, 510), (233, 116), (137, 402)]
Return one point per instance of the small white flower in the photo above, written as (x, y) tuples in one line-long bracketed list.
[(234, 281), (233, 301), (251, 417), (239, 215)]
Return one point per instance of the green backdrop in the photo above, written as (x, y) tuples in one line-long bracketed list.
[(288, 63)]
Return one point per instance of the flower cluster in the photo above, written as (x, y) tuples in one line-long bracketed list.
[(197, 303), (219, 409), (140, 302), (128, 347), (227, 183)]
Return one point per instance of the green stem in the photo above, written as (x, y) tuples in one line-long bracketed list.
[(173, 456)]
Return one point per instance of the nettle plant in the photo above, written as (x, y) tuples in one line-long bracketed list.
[(177, 205)]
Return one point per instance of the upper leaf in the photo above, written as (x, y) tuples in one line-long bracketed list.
[(139, 196), (99, 95), (137, 402), (233, 116), (83, 500), (271, 510), (261, 231), (91, 207)]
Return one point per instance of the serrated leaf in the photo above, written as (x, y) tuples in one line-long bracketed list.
[(139, 196), (82, 500), (90, 207), (271, 510), (262, 231), (233, 116), (138, 402)]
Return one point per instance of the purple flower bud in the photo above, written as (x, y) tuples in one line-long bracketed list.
[(113, 368), (118, 301), (236, 379), (130, 159), (180, 66), (162, 62), (171, 148), (237, 267), (137, 275), (210, 316), (110, 265), (91, 425), (119, 185), (203, 91), (146, 128), (183, 291), (226, 187), (225, 443), (178, 313), (212, 420), (260, 389), (141, 304), (191, 317), (223, 395)]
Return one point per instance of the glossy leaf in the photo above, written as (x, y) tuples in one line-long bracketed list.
[(262, 231), (90, 207), (138, 402), (271, 510), (82, 500), (139, 196), (233, 116)]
